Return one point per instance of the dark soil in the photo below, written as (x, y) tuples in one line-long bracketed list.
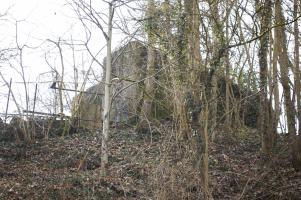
[(69, 168)]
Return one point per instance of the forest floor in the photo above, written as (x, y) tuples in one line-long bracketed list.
[(69, 168)]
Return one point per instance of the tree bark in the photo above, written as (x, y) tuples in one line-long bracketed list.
[(297, 85), (197, 112), (265, 19), (151, 61), (297, 63), (107, 96), (228, 83), (218, 41), (179, 71), (275, 88), (284, 68)]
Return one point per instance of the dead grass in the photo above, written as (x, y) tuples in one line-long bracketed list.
[(143, 167)]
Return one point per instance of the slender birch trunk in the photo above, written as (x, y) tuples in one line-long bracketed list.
[(107, 96)]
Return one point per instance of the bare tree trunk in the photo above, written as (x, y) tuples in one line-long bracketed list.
[(218, 41), (227, 82), (151, 59), (24, 124), (173, 57), (272, 125), (275, 88), (179, 71), (214, 101), (61, 82), (297, 75), (195, 96), (107, 96), (265, 18), (284, 67), (297, 63)]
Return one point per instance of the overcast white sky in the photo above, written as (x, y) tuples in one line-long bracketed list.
[(38, 21)]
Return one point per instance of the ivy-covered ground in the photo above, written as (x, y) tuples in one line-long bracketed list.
[(69, 168)]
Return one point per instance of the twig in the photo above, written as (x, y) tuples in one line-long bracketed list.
[(243, 191)]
